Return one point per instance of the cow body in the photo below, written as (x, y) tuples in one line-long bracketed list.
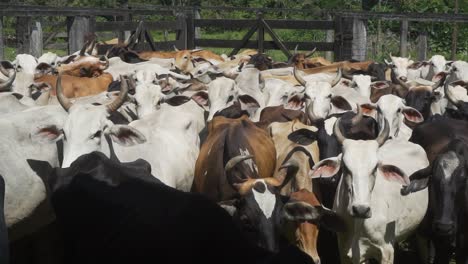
[(129, 221)]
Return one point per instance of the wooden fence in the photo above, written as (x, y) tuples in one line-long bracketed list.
[(347, 27)]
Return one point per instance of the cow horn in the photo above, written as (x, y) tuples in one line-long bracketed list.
[(62, 99), (337, 78), (111, 107), (175, 48), (10, 72), (295, 49), (452, 100), (438, 83), (299, 78), (83, 49), (91, 47), (358, 117), (347, 76), (383, 135), (233, 161), (105, 62), (337, 131), (311, 53), (244, 187)]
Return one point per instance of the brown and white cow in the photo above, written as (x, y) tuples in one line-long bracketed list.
[(235, 166)]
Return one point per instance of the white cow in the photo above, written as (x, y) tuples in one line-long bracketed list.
[(368, 196), (168, 140), (118, 67)]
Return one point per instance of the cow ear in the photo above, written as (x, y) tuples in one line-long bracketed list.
[(303, 136), (326, 168), (177, 100), (341, 103), (230, 206), (294, 103), (393, 173), (412, 116), (201, 98), (419, 180), (379, 85), (47, 134), (125, 135), (249, 104), (301, 212)]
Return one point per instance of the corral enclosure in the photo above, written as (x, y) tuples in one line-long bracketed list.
[(338, 34)]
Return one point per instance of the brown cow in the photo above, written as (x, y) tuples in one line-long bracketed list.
[(306, 212), (237, 162), (272, 114), (304, 156), (85, 66), (76, 86)]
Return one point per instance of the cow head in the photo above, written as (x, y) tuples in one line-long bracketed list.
[(278, 92), (361, 83), (460, 70), (49, 58), (85, 66), (261, 61), (447, 180), (258, 211), (377, 70), (396, 112), (7, 69), (148, 95), (360, 166), (305, 210), (461, 107), (184, 61), (400, 67), (87, 126), (299, 60), (421, 97), (223, 93), (319, 99)]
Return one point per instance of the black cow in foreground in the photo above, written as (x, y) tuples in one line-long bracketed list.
[(111, 212), (447, 179)]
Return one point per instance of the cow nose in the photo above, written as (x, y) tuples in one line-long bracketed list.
[(444, 228), (403, 78), (361, 211)]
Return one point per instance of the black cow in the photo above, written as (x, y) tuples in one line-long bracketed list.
[(448, 201), (4, 249), (113, 212)]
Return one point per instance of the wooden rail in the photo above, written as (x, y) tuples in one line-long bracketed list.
[(81, 21)]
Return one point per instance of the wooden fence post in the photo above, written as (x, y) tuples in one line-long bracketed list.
[(78, 28), (453, 55), (2, 55), (329, 38), (422, 46), (23, 31), (343, 38), (260, 33), (196, 15), (190, 29), (359, 41), (36, 40), (181, 35), (404, 38)]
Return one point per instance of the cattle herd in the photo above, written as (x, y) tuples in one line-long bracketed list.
[(193, 157)]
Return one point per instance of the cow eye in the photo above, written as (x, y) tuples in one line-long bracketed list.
[(185, 57), (97, 134), (329, 96), (230, 98), (306, 96), (399, 110)]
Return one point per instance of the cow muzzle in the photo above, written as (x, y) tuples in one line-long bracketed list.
[(443, 229), (361, 211)]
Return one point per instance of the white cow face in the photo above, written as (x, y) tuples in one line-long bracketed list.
[(25, 63), (360, 166), (395, 111), (460, 69), (438, 63), (362, 86), (49, 58), (222, 93), (148, 95), (319, 100), (277, 92), (84, 131), (400, 67)]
